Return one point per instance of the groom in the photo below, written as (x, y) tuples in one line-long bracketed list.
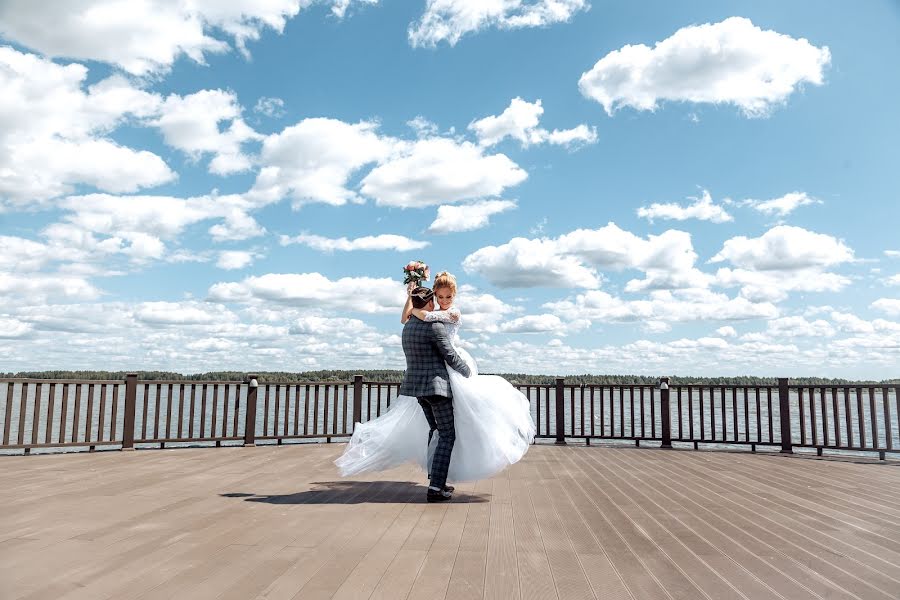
[(427, 348)]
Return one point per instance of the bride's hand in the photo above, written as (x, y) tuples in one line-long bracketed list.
[(410, 287)]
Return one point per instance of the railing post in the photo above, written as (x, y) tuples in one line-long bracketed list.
[(560, 411), (665, 413), (357, 400), (784, 411), (130, 402), (250, 417)]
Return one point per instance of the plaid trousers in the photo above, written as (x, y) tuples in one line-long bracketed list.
[(439, 413)]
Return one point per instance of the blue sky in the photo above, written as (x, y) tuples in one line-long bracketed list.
[(653, 188)]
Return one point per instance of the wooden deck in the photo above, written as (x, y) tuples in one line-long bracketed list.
[(566, 522)]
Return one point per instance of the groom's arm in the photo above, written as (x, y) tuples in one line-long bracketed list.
[(445, 348)]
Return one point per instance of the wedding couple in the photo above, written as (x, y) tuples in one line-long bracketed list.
[(457, 425)]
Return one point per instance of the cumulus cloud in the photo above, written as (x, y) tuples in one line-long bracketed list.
[(398, 243), (270, 107), (893, 280), (192, 124), (434, 171), (530, 263), (782, 206), (520, 121), (449, 20), (664, 306), (791, 327), (784, 259), (468, 216), (784, 248), (890, 306), (360, 294), (727, 331), (13, 328), (235, 259), (144, 37), (313, 161), (702, 209), (733, 62), (53, 132), (572, 260), (34, 288), (533, 324)]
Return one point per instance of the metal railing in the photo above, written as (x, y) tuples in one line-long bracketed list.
[(39, 413)]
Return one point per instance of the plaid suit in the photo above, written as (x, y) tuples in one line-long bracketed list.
[(427, 348)]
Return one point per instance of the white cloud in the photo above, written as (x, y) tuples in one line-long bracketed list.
[(52, 132), (449, 20), (572, 259), (702, 209), (468, 216), (482, 313), (270, 107), (530, 263), (97, 228), (893, 280), (784, 248), (361, 294), (576, 136), (731, 62), (727, 331), (892, 253), (238, 225), (438, 171), (162, 314), (398, 243), (775, 285), (665, 306), (890, 306), (313, 160), (34, 288), (798, 327), (13, 328), (423, 127), (520, 121), (191, 124), (782, 206), (533, 324), (850, 323), (235, 259), (142, 37)]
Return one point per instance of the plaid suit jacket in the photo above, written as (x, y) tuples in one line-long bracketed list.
[(427, 348)]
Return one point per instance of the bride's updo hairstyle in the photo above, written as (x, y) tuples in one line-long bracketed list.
[(445, 280)]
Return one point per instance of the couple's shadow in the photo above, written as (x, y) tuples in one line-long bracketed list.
[(358, 492)]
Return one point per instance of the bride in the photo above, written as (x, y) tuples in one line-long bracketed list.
[(492, 418)]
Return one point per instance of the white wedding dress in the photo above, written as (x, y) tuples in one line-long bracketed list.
[(492, 419)]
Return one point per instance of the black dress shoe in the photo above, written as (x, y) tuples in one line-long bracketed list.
[(442, 495)]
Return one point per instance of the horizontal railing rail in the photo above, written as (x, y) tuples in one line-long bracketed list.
[(67, 413)]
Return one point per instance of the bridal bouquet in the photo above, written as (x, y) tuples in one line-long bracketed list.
[(415, 272)]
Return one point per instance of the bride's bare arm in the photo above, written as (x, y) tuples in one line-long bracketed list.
[(407, 310)]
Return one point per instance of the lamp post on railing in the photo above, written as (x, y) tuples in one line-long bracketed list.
[(560, 412), (784, 412), (130, 401), (250, 417), (665, 413), (357, 400)]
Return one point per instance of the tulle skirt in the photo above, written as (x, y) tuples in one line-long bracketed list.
[(493, 425)]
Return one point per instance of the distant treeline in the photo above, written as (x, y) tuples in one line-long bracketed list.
[(393, 375)]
